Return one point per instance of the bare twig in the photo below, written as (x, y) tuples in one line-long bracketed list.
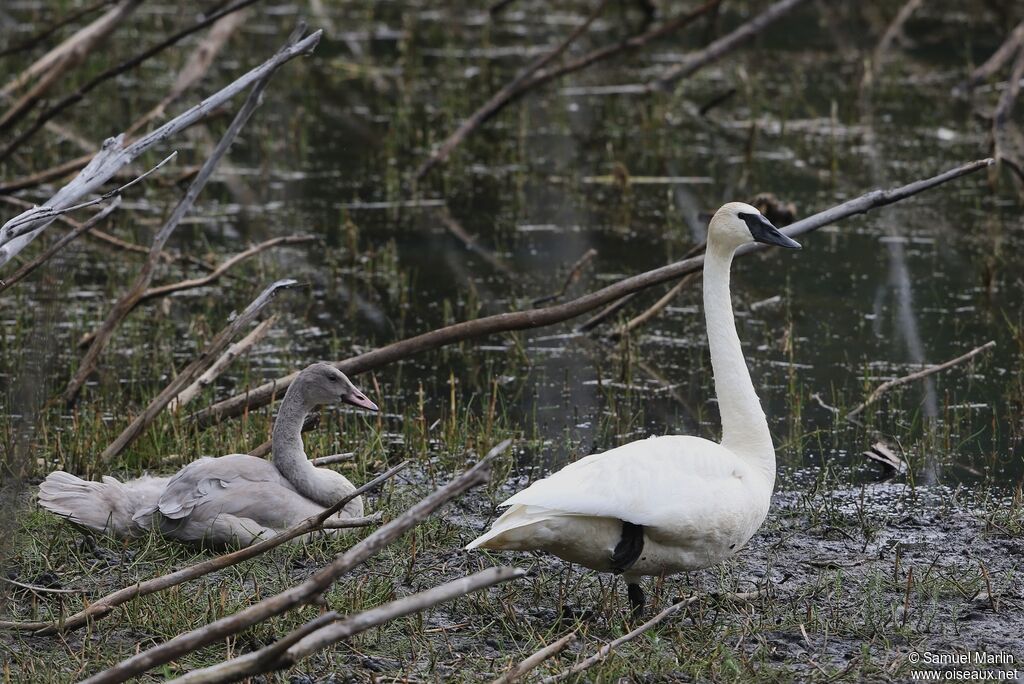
[(525, 666), (115, 155), (60, 244), (115, 71), (654, 309), (570, 278), (333, 458), (103, 606), (724, 45), (193, 370), (40, 590), (305, 592), (326, 630), (131, 298), (226, 359), (536, 318), (923, 373), (71, 18), (1001, 56)]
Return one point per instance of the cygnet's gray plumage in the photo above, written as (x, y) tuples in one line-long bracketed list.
[(232, 500)]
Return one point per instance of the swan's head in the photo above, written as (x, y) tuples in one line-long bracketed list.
[(322, 383), (737, 224)]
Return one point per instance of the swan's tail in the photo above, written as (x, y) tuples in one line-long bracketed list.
[(107, 506), (512, 530)]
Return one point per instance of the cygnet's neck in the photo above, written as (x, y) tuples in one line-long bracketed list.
[(289, 454)]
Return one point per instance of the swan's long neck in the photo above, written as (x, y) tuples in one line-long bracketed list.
[(744, 428), (290, 455)]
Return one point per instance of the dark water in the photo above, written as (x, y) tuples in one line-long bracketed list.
[(333, 149)]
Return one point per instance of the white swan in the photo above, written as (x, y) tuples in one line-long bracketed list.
[(665, 504), (232, 500)]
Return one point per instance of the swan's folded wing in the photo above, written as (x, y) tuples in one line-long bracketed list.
[(647, 482), (200, 481)]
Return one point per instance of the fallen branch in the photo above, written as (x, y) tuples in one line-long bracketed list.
[(534, 76), (305, 592), (60, 244), (724, 45), (923, 373), (525, 666), (607, 649), (654, 309), (131, 298), (75, 97), (329, 629), (102, 607), (572, 277), (1000, 57), (226, 359), (211, 277), (114, 155), (192, 371), (537, 318), (504, 96)]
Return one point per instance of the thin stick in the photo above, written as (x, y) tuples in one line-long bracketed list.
[(115, 71), (131, 298), (60, 244), (525, 666), (193, 370), (923, 373), (1000, 57), (104, 606), (655, 308), (536, 318), (41, 590), (114, 155), (605, 650), (305, 592), (503, 96), (333, 458), (724, 45), (324, 631), (221, 364), (570, 278), (72, 17)]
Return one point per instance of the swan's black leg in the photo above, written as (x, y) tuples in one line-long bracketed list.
[(636, 599), (629, 548)]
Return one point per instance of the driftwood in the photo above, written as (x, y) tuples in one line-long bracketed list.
[(75, 97), (115, 155), (724, 45), (505, 95), (226, 359), (331, 627), (209, 278), (191, 372), (608, 648), (923, 373), (60, 244), (534, 77), (102, 607), (303, 593), (525, 666), (536, 318), (131, 298)]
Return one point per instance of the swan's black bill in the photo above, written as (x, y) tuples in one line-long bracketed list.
[(359, 400), (762, 230)]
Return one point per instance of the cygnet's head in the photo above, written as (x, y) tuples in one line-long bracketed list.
[(322, 383), (737, 224)]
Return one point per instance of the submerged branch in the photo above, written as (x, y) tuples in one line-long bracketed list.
[(537, 318)]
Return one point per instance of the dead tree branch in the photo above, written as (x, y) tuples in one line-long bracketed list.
[(226, 359), (115, 71), (1000, 57), (134, 294), (305, 592), (570, 278), (38, 38), (102, 607), (724, 45), (114, 155), (923, 373), (329, 629), (537, 318), (525, 666), (191, 372), (60, 244)]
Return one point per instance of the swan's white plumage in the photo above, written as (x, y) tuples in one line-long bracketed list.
[(697, 501)]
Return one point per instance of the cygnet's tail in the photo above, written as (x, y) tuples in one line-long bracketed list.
[(107, 506)]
